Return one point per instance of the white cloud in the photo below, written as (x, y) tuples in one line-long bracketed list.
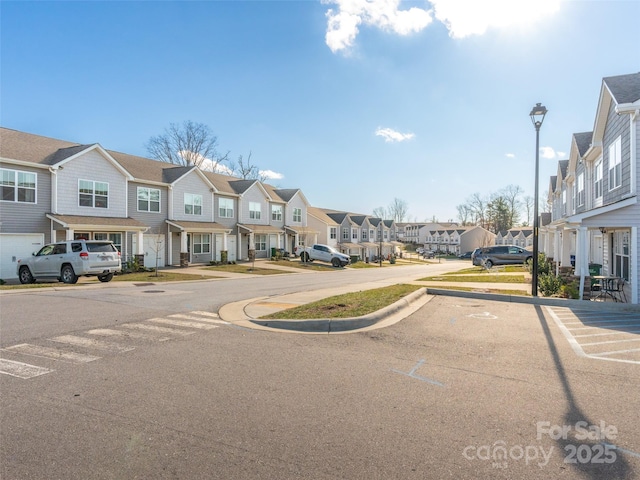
[(391, 135), (461, 17), (271, 175), (548, 152), (510, 155), (343, 23), (474, 17)]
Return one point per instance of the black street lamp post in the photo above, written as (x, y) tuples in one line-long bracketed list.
[(537, 117)]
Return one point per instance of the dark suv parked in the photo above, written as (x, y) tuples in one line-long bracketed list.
[(501, 255)]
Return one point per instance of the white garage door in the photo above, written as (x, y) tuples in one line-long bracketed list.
[(153, 246), (16, 246)]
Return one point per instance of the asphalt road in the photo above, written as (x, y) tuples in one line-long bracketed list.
[(462, 389)]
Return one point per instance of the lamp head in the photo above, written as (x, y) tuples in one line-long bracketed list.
[(537, 114)]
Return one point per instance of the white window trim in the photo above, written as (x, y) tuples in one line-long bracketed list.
[(148, 190), (93, 193), (16, 185), (192, 202), (225, 208)]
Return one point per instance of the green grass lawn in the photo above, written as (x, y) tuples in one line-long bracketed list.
[(244, 268), (476, 278), (348, 305)]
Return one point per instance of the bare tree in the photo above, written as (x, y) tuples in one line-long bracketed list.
[(528, 208), (380, 212), (398, 210), (464, 213), (187, 144), (511, 196), (246, 170)]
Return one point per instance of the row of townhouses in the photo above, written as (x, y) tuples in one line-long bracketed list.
[(160, 213), (595, 212), (445, 237)]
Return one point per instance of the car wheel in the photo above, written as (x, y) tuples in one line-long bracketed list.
[(336, 262), (528, 261), (488, 263), (67, 275), (105, 278), (25, 275)]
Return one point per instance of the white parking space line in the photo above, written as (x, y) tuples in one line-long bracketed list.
[(90, 343), (156, 329), (108, 332), (614, 328), (49, 352), (199, 319), (181, 323), (21, 370), (206, 314)]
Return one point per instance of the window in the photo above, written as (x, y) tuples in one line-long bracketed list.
[(148, 199), (297, 215), (255, 210), (615, 164), (192, 204), (18, 186), (261, 243), (354, 234), (276, 213), (333, 232), (345, 234), (564, 202), (201, 243), (116, 238), (364, 234), (581, 189), (225, 208), (93, 194), (598, 179)]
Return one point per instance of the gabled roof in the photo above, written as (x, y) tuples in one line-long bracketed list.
[(624, 88), (358, 219), (337, 217), (320, 214), (582, 142), (26, 147), (562, 168)]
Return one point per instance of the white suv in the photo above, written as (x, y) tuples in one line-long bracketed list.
[(66, 261)]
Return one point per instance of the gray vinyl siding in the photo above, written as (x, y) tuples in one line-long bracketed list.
[(254, 194), (617, 126), (296, 202), (18, 217), (581, 169), (154, 220), (193, 184), (278, 223), (91, 166), (227, 222)]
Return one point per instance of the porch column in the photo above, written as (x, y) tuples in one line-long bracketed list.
[(69, 235), (184, 249), (557, 248), (139, 244), (582, 252), (565, 257)]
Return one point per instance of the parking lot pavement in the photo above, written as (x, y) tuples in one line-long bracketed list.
[(598, 334)]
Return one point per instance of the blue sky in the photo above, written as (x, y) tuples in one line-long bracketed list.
[(354, 102)]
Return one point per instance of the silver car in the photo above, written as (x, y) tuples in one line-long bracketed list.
[(501, 255), (66, 261)]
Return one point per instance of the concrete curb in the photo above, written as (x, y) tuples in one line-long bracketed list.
[(236, 313), (555, 302)]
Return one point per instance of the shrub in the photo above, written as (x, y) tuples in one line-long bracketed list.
[(549, 284)]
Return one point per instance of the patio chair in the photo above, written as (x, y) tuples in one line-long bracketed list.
[(617, 290)]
